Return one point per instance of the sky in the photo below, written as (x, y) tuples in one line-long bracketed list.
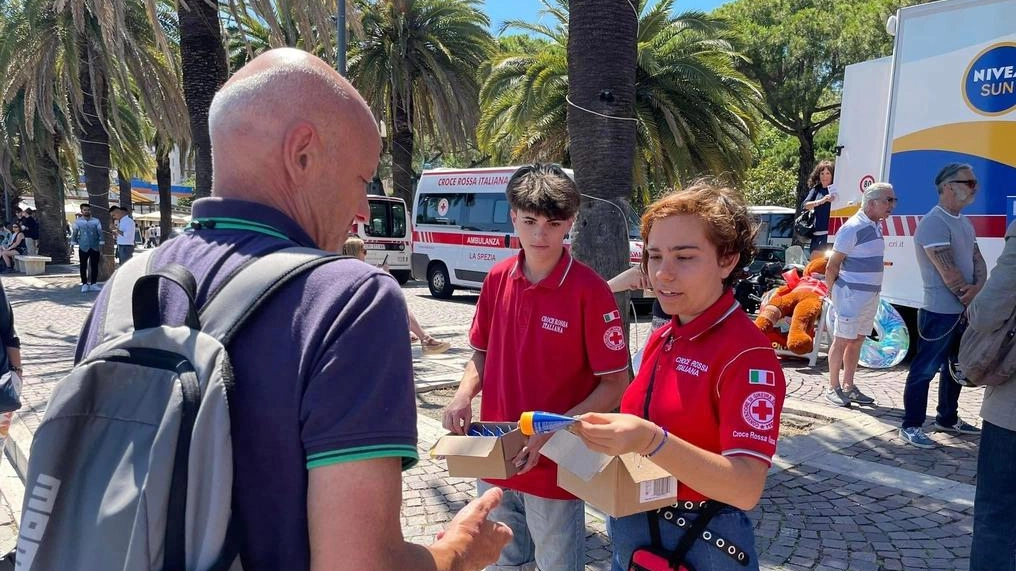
[(528, 10)]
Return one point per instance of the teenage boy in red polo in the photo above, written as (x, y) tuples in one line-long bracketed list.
[(546, 336)]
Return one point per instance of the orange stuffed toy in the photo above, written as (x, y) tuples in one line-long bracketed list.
[(800, 298)]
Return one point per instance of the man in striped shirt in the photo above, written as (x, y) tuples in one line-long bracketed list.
[(854, 277)]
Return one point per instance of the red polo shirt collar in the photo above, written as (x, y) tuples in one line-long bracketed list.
[(556, 276), (717, 312)]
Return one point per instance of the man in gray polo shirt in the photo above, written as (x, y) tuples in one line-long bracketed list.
[(854, 278), (953, 271)]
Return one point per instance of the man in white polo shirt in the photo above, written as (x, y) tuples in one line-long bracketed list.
[(854, 277), (125, 229)]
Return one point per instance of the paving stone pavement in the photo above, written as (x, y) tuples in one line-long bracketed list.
[(847, 495)]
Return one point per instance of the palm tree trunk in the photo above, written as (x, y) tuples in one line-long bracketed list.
[(602, 149), (163, 176), (402, 149), (124, 183), (49, 204), (204, 71), (95, 151)]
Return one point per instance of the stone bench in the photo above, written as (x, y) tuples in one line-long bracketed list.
[(31, 265)]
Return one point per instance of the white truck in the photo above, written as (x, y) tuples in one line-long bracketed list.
[(947, 94)]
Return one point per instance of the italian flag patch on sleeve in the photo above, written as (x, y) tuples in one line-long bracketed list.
[(761, 377), (612, 316)]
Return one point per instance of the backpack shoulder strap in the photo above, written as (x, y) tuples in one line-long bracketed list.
[(244, 291), (118, 319)]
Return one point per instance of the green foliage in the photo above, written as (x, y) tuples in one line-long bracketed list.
[(694, 110), (428, 52), (797, 51), (772, 179)]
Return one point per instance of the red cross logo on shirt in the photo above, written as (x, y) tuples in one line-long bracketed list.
[(762, 410), (759, 410), (614, 338), (617, 337)]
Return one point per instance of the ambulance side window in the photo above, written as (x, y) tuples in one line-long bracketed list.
[(444, 209), (502, 221), (487, 213)]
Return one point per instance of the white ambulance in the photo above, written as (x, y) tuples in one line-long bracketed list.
[(463, 227), (386, 235), (947, 94)]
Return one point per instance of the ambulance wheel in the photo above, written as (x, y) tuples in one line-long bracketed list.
[(402, 275), (438, 282)]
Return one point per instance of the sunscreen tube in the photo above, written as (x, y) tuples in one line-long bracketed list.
[(536, 422)]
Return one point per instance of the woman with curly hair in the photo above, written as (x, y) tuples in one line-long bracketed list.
[(819, 199), (706, 403)]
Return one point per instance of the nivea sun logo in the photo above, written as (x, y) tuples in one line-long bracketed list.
[(989, 84)]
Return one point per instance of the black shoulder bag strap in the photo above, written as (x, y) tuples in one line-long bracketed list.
[(710, 509)]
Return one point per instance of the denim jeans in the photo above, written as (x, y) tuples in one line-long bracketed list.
[(939, 334), (818, 243), (124, 252), (994, 547), (549, 535), (631, 532)]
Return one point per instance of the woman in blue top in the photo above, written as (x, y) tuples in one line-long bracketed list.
[(818, 199)]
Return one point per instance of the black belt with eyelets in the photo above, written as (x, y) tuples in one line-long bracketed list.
[(675, 515)]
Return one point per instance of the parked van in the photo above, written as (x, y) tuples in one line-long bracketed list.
[(386, 235), (776, 225), (463, 227)]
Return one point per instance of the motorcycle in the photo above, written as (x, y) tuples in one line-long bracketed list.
[(750, 290)]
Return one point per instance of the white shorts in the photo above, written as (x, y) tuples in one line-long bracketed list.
[(854, 312)]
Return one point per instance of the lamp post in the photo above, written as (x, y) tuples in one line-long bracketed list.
[(340, 37)]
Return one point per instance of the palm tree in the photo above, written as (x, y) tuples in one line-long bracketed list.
[(203, 60), (601, 129), (31, 156), (99, 63), (693, 110), (416, 65)]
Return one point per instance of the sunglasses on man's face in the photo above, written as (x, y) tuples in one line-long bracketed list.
[(971, 183)]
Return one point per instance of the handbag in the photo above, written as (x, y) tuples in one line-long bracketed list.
[(10, 388), (804, 224), (654, 558)]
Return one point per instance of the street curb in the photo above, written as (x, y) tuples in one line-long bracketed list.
[(12, 488), (17, 449)]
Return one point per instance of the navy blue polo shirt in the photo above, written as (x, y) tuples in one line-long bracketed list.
[(323, 374)]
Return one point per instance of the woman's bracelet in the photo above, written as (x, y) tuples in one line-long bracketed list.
[(660, 445)]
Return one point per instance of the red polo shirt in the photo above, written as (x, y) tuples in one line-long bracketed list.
[(545, 345), (718, 385)]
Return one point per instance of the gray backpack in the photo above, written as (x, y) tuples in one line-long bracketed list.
[(132, 466)]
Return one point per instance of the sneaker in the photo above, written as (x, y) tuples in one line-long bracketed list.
[(854, 394), (95, 287), (915, 436), (959, 428), (957, 374), (84, 288), (837, 397)]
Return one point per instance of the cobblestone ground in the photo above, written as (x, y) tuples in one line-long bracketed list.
[(847, 495)]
